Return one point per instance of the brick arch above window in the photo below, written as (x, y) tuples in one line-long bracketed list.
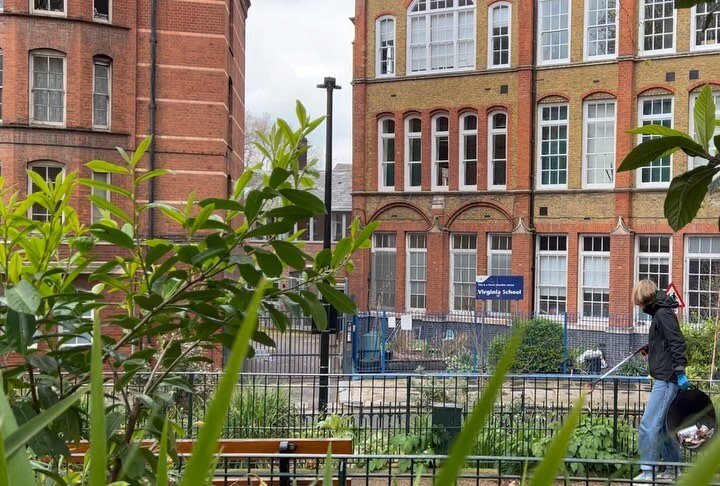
[(102, 57), (467, 111), (385, 114), (47, 50), (439, 112), (658, 90), (714, 85), (554, 98), (412, 114), (494, 108), (402, 206), (599, 95), (493, 208)]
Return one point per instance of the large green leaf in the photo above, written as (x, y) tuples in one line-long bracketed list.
[(113, 236), (103, 166), (269, 263), (162, 466), (201, 462), (105, 186), (304, 199), (686, 194), (290, 254), (653, 149), (110, 207), (98, 444), (23, 298), (704, 114), (317, 310), (3, 461), (552, 461), (20, 328), (481, 411), (660, 130), (337, 299), (18, 466)]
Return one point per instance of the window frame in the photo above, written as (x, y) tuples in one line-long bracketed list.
[(464, 251), (691, 125), (582, 253), (108, 64), (427, 14), (408, 287), (492, 131), (585, 154), (109, 19), (538, 254), (31, 87), (641, 118), (490, 305), (382, 137), (693, 31), (108, 197), (586, 36), (641, 316), (378, 62), (408, 136), (539, 170), (373, 282), (51, 13), (30, 167), (73, 342), (641, 33), (686, 271), (551, 62), (462, 133), (490, 45), (435, 135)]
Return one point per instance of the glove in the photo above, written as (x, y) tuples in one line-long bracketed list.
[(683, 382), (644, 351)]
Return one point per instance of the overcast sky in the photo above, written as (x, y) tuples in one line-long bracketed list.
[(291, 46)]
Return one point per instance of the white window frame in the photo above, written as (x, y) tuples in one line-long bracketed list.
[(538, 256), (382, 163), (641, 119), (428, 14), (392, 62), (35, 11), (343, 216), (408, 136), (658, 255), (641, 32), (463, 159), (408, 292), (31, 77), (108, 65), (491, 37), (489, 305), (109, 19), (31, 166), (586, 29), (74, 341), (492, 131), (686, 270), (539, 184), (435, 162), (453, 252), (582, 253), (586, 154), (692, 161), (564, 60), (693, 30), (373, 285), (108, 196)]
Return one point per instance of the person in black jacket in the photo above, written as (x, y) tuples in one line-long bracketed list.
[(666, 354)]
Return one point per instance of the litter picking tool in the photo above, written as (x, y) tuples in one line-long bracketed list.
[(614, 368)]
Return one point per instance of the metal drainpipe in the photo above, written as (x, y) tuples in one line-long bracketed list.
[(533, 149), (153, 107)]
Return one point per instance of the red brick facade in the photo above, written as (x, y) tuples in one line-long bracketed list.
[(625, 211)]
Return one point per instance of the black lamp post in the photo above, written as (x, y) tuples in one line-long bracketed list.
[(329, 86)]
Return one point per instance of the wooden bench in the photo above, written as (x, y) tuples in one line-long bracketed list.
[(231, 451)]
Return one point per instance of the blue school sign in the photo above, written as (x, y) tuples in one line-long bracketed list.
[(498, 287)]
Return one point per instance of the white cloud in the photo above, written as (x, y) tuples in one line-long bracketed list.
[(291, 46)]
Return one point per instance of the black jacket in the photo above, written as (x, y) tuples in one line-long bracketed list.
[(667, 356)]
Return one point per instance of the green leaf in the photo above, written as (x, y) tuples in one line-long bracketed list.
[(110, 207), (18, 466), (140, 150), (304, 199), (481, 411), (153, 174), (3, 460), (704, 114), (20, 329), (98, 445), (323, 259), (162, 466), (553, 457), (24, 298), (337, 299), (113, 236), (290, 254), (103, 166), (365, 234), (271, 229), (651, 150), (686, 194), (105, 186), (317, 310), (660, 130), (205, 447), (278, 176), (155, 252), (169, 211), (328, 470), (269, 263), (222, 204), (342, 249)]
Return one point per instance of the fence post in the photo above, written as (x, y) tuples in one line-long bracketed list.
[(191, 406), (616, 389), (383, 322), (354, 344), (407, 405), (565, 343)]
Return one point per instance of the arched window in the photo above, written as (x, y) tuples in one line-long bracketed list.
[(47, 87), (386, 154), (48, 172), (442, 35), (385, 46), (499, 35), (497, 148), (440, 152), (468, 151), (413, 153)]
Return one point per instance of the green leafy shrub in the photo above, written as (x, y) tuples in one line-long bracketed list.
[(699, 338), (460, 363), (541, 350), (594, 439), (258, 413), (634, 367)]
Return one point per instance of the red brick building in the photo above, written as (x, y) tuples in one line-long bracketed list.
[(486, 141), (81, 77)]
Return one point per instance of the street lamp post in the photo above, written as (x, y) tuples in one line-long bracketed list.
[(329, 85)]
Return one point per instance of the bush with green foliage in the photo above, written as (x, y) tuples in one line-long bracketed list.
[(460, 363), (257, 413), (541, 350), (699, 338)]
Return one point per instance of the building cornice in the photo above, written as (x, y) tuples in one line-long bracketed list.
[(55, 18)]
